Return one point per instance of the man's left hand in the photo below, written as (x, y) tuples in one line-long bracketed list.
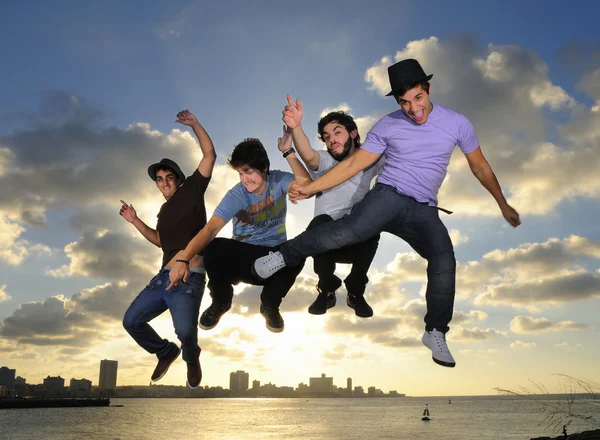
[(511, 216), (178, 273)]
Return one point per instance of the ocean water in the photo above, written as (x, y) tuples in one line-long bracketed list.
[(480, 418)]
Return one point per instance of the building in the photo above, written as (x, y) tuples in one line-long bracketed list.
[(375, 392), (359, 391), (108, 375), (20, 386), (321, 384), (7, 378), (80, 387), (349, 385), (238, 381), (255, 384), (54, 385)]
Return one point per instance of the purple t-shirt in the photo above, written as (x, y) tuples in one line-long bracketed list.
[(417, 156)]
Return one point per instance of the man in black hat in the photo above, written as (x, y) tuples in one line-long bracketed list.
[(418, 141), (179, 220)]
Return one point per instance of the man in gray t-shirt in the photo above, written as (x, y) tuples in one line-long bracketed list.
[(340, 134)]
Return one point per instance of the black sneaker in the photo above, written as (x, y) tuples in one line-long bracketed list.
[(359, 305), (324, 301), (273, 318), (210, 317)]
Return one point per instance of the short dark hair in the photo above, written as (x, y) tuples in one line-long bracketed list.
[(178, 181), (250, 152), (402, 91), (342, 118)]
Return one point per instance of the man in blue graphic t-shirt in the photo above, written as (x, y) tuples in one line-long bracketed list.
[(257, 206)]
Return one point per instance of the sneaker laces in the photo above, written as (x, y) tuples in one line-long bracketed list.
[(274, 261), (440, 340)]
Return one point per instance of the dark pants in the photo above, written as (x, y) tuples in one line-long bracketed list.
[(183, 301), (228, 262), (383, 209), (360, 255)]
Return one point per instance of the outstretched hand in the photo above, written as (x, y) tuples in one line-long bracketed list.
[(292, 113), (298, 192), (127, 212), (285, 142), (186, 117), (178, 273), (511, 216)]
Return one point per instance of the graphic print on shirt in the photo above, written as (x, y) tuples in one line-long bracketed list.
[(267, 213)]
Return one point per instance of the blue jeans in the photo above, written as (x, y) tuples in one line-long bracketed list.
[(183, 301), (383, 209)]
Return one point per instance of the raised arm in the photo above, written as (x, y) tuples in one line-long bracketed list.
[(343, 171), (292, 117), (181, 271), (483, 171), (284, 144), (209, 156), (129, 214)]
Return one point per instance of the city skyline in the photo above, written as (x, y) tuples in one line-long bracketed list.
[(89, 105), (239, 384)]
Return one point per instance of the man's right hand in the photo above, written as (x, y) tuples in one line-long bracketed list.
[(292, 113), (300, 192), (128, 212), (186, 117), (179, 272)]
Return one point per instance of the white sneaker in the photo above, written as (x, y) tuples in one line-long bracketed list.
[(436, 342), (268, 265)]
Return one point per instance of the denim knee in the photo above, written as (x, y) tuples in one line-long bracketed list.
[(129, 323), (442, 263), (186, 332)]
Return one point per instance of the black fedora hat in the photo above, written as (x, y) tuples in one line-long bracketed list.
[(166, 163), (406, 73)]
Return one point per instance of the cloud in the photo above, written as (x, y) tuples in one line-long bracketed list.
[(336, 353), (110, 255), (359, 327), (528, 324), (475, 334), (510, 93), (532, 274), (466, 318), (3, 295), (13, 249), (457, 237), (547, 292), (521, 344), (50, 323)]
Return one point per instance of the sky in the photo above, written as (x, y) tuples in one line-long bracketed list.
[(89, 98)]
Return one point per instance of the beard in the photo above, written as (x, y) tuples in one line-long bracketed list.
[(344, 153)]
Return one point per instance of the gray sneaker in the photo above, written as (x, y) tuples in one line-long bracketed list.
[(440, 353), (266, 266)]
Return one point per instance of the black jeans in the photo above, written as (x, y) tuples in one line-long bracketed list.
[(360, 255), (383, 209), (228, 262)]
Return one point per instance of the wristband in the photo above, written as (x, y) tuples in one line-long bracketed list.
[(286, 153), (183, 261)]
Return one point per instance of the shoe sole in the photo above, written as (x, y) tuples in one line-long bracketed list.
[(255, 274), (320, 312), (439, 362), (444, 364), (356, 313), (206, 327), (274, 329), (191, 387), (167, 369), (203, 327)]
